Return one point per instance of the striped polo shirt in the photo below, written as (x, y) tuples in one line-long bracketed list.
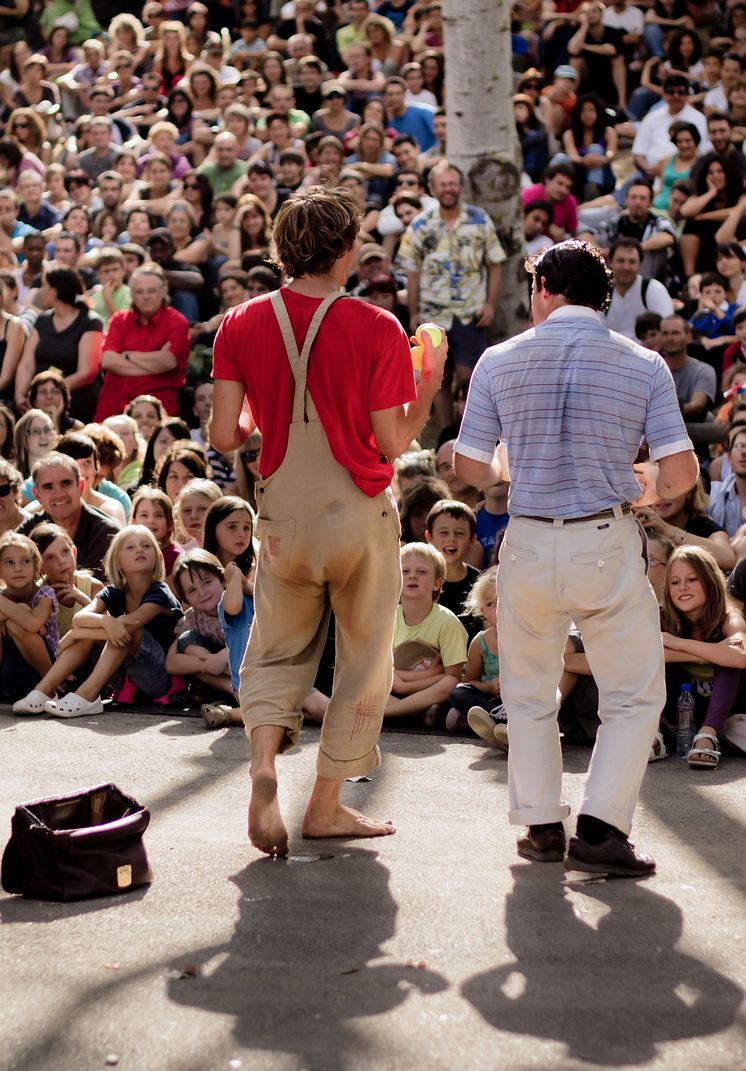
[(571, 400)]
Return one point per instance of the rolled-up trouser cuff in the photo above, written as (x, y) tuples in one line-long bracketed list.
[(340, 769), (290, 722), (538, 816)]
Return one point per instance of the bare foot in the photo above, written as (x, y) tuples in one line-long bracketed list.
[(341, 821), (267, 830)]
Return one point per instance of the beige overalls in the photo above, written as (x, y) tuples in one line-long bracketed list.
[(324, 544)]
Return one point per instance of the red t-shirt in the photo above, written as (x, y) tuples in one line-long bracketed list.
[(128, 332), (360, 362)]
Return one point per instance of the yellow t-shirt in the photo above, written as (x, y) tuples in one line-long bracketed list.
[(441, 629), (65, 614)]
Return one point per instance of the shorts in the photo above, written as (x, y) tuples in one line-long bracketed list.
[(466, 344), (192, 638), (17, 677)]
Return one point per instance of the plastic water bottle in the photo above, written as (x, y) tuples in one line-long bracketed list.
[(685, 724)]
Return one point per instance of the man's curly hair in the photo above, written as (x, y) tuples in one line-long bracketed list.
[(575, 269), (313, 229)]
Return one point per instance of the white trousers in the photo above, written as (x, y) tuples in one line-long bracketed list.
[(591, 573)]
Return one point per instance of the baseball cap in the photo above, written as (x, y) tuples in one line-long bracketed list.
[(371, 251), (333, 87)]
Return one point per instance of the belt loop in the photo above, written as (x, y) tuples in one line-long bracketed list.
[(618, 512), (558, 522)]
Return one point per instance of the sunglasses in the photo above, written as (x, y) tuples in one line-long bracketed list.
[(191, 186), (250, 455), (680, 92), (20, 126), (5, 489)]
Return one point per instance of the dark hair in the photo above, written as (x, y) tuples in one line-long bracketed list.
[(190, 457), (75, 444), (576, 270), (601, 123), (539, 205), (675, 81), (625, 243), (237, 276), (730, 249), (641, 182), (205, 190), (66, 282), (680, 127), (195, 561), (175, 426), (558, 169), (9, 151), (71, 236), (739, 318), (459, 510), (674, 49), (42, 535), (713, 278), (217, 512), (421, 495), (720, 117), (177, 91), (313, 229), (733, 177), (51, 375), (647, 321)]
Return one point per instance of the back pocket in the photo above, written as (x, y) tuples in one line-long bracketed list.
[(275, 542)]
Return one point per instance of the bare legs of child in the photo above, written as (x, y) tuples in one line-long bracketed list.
[(419, 702), (326, 815)]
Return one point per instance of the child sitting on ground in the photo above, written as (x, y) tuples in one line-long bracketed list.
[(476, 701), (703, 642), (426, 636), (152, 508), (451, 528), (199, 649), (133, 616), (28, 621), (713, 318), (73, 589)]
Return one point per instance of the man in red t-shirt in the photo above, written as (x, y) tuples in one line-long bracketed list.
[(327, 520), (146, 348)]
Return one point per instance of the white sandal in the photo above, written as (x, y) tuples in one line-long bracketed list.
[(34, 703), (708, 757), (73, 705), (658, 749)]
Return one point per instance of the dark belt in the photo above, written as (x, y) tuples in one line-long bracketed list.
[(602, 515)]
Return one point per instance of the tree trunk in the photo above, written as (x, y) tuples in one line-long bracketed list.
[(482, 138)]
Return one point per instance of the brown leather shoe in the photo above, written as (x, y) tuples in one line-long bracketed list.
[(543, 845), (614, 855)]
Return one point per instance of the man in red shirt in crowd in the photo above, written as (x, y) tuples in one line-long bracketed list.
[(146, 348), (328, 524)]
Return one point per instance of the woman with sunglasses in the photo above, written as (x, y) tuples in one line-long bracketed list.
[(197, 192), (246, 468), (28, 131), (11, 514)]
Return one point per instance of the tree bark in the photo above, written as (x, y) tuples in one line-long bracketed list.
[(482, 139)]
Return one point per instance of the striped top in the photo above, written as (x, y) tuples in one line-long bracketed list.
[(571, 400)]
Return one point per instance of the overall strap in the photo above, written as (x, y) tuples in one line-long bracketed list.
[(299, 362)]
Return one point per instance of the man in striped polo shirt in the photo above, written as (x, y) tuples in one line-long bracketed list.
[(570, 401)]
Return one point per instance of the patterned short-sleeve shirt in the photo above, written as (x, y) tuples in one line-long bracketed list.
[(452, 262)]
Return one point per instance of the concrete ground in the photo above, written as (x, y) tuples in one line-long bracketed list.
[(435, 949)]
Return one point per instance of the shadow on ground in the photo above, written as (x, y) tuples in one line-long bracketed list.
[(300, 964), (601, 1013)]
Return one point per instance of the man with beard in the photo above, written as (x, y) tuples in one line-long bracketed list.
[(453, 259)]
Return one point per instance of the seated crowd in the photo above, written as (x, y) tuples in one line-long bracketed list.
[(143, 158)]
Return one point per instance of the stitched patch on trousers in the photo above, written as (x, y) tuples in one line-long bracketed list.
[(363, 711), (275, 542)]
